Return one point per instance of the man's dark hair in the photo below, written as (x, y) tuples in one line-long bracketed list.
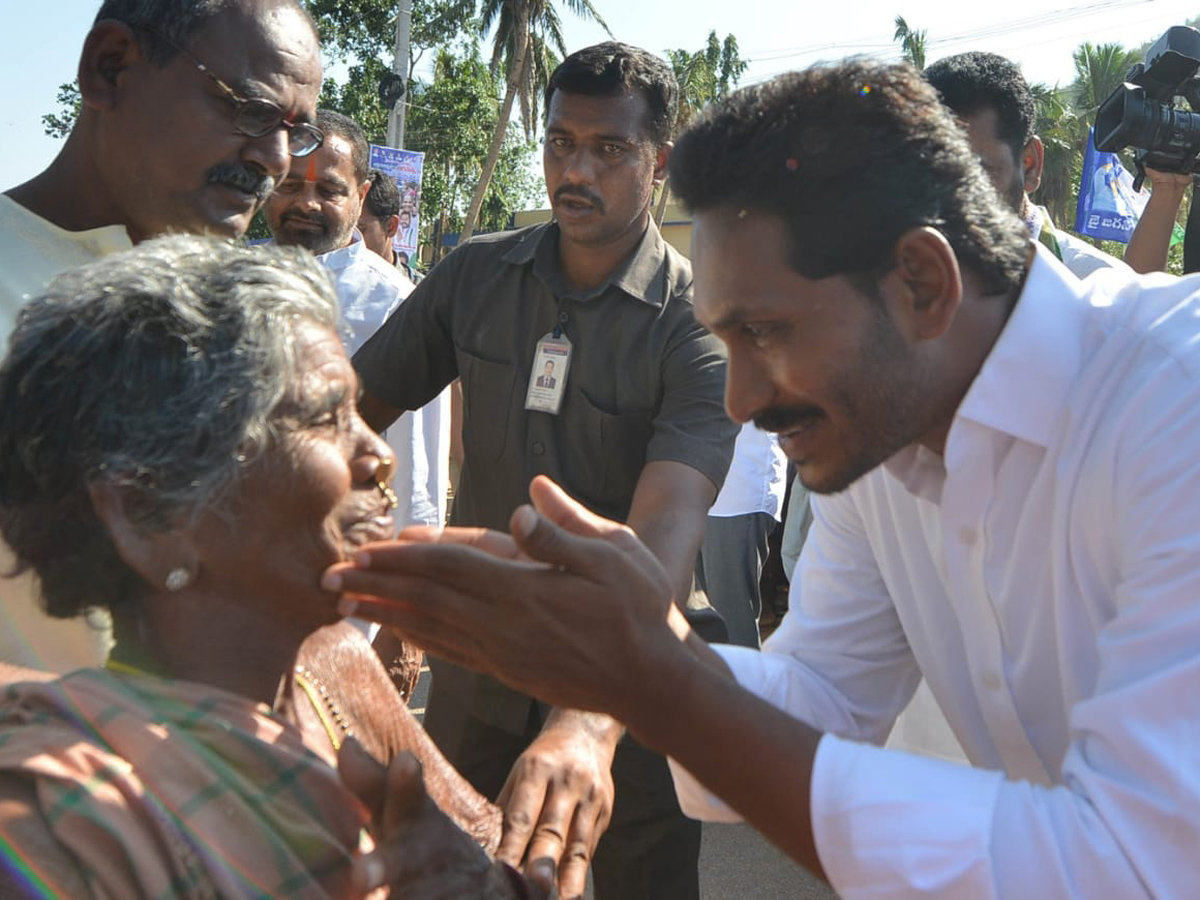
[(970, 83), (176, 21), (611, 69), (383, 199), (850, 156), (332, 122)]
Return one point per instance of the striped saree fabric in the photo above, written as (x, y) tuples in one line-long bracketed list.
[(165, 789)]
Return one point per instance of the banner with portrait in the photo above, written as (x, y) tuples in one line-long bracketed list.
[(406, 167), (1108, 207)]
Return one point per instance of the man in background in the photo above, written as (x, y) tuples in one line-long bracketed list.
[(634, 427), (317, 206), (191, 112)]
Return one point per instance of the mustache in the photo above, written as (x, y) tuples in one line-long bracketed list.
[(314, 219), (785, 418), (243, 178), (580, 193)]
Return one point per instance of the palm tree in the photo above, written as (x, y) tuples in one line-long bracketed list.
[(1060, 129), (1099, 70), (703, 76), (912, 43), (527, 33)]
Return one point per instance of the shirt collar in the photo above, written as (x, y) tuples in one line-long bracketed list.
[(1022, 388), (1023, 385), (642, 275)]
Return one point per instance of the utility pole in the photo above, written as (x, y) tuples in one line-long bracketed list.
[(400, 67)]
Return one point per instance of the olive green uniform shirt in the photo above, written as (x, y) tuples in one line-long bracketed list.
[(646, 382)]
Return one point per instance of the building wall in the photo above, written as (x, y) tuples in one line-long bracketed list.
[(676, 226)]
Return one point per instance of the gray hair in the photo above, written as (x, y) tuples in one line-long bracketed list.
[(178, 21), (159, 370)]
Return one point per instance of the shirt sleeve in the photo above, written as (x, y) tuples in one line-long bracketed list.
[(691, 426), (408, 361)]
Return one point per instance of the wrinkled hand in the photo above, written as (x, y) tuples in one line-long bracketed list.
[(420, 854), (573, 608), (558, 799)]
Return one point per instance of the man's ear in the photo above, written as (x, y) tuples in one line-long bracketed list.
[(1033, 157), (153, 555), (109, 50), (660, 162), (925, 287), (391, 225)]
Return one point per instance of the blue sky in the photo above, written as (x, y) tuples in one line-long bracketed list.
[(39, 42)]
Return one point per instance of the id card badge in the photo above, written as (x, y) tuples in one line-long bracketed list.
[(548, 379)]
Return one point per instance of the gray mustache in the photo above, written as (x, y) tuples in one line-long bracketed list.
[(242, 178)]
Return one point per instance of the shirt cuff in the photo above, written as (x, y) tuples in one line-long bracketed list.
[(890, 824)]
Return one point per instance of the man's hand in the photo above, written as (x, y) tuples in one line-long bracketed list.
[(558, 799), (420, 854), (574, 609)]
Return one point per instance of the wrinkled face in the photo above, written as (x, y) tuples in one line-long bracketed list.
[(1003, 167), (168, 148), (600, 165), (818, 361), (320, 201), (308, 501)]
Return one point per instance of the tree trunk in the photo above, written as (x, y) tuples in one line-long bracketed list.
[(515, 72)]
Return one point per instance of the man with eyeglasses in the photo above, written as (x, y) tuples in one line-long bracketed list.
[(192, 110)]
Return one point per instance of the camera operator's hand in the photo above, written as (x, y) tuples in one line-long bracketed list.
[(1151, 239)]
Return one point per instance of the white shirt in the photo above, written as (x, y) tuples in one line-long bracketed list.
[(757, 478), (32, 251), (370, 290), (1045, 578), (1077, 254)]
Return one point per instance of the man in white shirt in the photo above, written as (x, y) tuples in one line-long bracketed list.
[(1006, 475), (317, 206), (739, 522), (162, 143), (992, 99)]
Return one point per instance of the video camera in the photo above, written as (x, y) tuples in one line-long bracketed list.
[(1141, 113)]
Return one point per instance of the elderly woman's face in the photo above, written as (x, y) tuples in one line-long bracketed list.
[(309, 500)]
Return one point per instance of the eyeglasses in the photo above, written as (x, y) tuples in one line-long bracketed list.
[(256, 117)]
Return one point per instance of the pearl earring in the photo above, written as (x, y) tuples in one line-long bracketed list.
[(178, 578)]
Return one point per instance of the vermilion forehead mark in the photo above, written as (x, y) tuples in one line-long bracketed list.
[(311, 174)]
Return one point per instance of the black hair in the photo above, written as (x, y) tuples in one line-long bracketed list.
[(970, 83), (611, 69), (850, 156), (332, 122), (383, 199)]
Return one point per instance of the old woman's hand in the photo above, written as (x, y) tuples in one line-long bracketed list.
[(420, 854)]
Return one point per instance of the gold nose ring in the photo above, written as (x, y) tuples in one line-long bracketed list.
[(388, 494)]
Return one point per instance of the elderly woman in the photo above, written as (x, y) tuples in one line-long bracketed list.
[(179, 446)]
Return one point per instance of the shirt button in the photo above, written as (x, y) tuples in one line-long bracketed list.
[(538, 448), (562, 318), (991, 681)]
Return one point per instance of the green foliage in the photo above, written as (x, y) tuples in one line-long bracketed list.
[(59, 124), (452, 120), (706, 75), (912, 43)]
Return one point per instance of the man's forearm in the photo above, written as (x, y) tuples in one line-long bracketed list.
[(698, 715)]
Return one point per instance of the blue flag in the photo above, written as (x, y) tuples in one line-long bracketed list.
[(1109, 207)]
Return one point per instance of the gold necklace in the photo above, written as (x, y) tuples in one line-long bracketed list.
[(325, 706)]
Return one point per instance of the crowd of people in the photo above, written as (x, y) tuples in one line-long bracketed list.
[(208, 624)]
